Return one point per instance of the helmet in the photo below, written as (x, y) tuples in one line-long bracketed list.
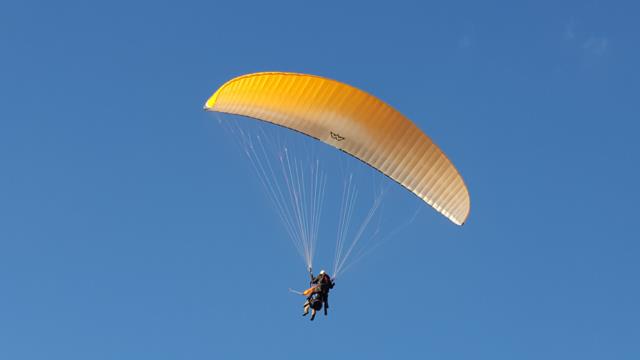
[(322, 272)]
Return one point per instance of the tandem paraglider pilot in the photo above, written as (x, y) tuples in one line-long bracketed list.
[(318, 293)]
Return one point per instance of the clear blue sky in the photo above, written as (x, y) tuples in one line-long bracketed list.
[(128, 231)]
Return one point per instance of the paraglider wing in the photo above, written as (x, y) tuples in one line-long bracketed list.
[(355, 122)]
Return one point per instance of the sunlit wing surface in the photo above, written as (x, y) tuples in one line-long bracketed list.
[(355, 122)]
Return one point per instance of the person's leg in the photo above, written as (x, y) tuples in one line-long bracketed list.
[(306, 308), (313, 314)]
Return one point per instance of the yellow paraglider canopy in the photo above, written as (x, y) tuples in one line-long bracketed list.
[(355, 122)]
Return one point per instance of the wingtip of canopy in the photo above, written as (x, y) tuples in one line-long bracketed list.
[(463, 221), (460, 221), (211, 102)]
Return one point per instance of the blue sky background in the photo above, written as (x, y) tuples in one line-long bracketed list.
[(130, 230)]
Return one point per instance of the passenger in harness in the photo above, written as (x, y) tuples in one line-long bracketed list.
[(314, 302)]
